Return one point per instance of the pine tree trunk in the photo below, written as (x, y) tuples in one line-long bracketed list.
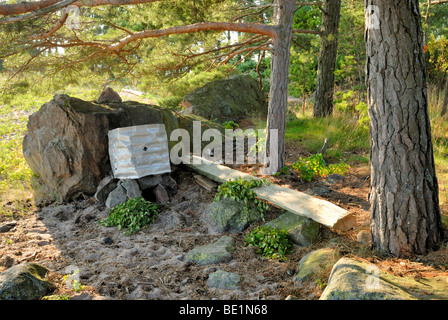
[(405, 214), (323, 102), (278, 94)]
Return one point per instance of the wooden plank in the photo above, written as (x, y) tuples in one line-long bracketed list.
[(321, 211), (205, 183)]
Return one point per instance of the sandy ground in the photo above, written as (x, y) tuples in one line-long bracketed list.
[(151, 264)]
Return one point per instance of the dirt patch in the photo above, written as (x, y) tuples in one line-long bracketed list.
[(150, 264)]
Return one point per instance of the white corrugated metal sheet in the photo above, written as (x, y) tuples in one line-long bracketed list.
[(139, 151)]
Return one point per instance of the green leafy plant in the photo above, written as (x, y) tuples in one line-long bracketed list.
[(363, 116), (57, 297), (283, 170), (230, 124), (240, 189), (271, 243), (315, 165), (75, 284), (321, 284), (259, 146), (134, 214)]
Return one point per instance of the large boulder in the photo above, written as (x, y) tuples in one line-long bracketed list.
[(66, 143), (226, 99), (355, 280), (25, 281)]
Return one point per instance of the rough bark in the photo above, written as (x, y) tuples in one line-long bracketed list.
[(323, 104), (405, 214), (278, 94)]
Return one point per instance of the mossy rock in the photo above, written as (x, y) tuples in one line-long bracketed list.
[(213, 253), (227, 215), (301, 230), (25, 281), (315, 263), (223, 280), (351, 279), (226, 99)]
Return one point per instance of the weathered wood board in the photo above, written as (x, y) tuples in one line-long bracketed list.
[(321, 211)]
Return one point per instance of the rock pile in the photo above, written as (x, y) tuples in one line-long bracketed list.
[(113, 191)]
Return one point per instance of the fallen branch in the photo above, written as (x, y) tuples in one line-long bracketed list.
[(324, 147), (28, 257)]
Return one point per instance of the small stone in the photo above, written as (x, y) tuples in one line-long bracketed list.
[(93, 257), (116, 197), (169, 183), (109, 95), (364, 237), (161, 194), (154, 294), (82, 296), (106, 186), (223, 280), (85, 274), (149, 182), (334, 178), (319, 191), (216, 252), (6, 227), (7, 262), (132, 188), (108, 240)]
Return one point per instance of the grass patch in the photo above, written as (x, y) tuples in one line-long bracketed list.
[(348, 140), (16, 178), (439, 130), (17, 181), (315, 165)]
